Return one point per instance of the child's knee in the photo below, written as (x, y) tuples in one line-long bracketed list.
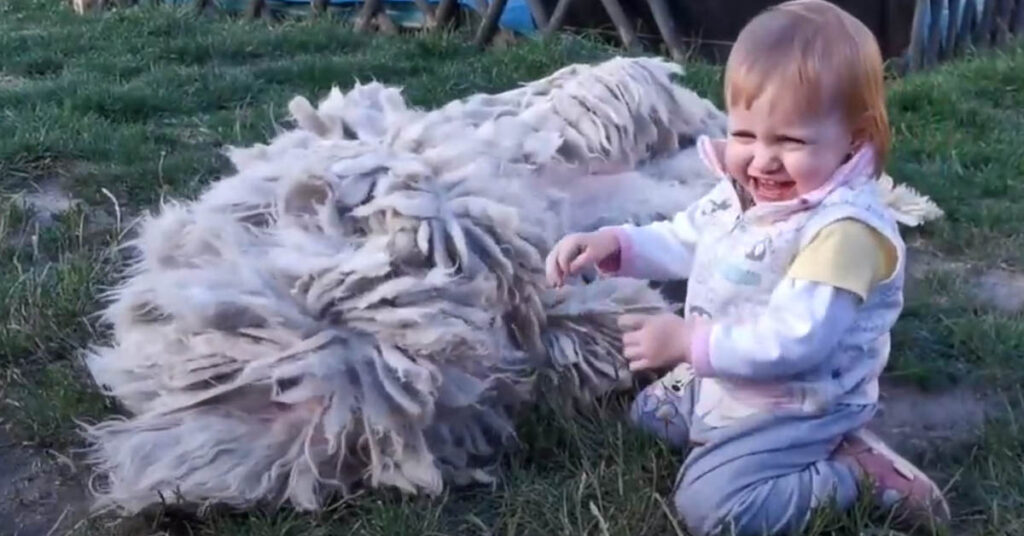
[(716, 508), (693, 510), (703, 506), (708, 511)]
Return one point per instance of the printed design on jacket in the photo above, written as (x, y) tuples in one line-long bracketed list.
[(713, 206), (696, 310), (759, 250), (740, 276)]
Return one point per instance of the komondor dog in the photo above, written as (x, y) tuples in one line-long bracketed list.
[(363, 302)]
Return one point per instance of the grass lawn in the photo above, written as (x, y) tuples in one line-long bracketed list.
[(104, 115)]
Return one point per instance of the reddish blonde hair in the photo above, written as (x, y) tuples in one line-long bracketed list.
[(820, 55)]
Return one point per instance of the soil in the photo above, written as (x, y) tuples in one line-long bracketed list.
[(47, 200), (916, 422), (41, 493), (10, 81), (995, 289)]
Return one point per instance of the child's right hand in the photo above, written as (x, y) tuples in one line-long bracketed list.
[(578, 250)]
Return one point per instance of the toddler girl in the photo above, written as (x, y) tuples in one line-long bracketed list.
[(795, 277)]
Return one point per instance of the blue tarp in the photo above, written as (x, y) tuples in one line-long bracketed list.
[(516, 16)]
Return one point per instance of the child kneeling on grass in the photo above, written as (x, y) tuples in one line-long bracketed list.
[(795, 277)]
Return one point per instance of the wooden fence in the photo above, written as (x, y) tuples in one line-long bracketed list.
[(939, 29), (943, 29)]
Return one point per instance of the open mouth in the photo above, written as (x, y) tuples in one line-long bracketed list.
[(772, 189)]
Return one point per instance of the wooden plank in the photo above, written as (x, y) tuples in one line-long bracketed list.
[(444, 12), (255, 8), (1003, 15), (952, 29), (983, 32), (918, 35), (667, 26), (626, 31), (429, 20), (931, 52), (385, 24), (489, 25), (965, 33), (366, 15), (540, 14), (557, 18)]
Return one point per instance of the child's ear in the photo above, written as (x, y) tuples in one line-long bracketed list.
[(858, 138), (856, 143)]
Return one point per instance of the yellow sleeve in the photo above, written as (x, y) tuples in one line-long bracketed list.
[(846, 254)]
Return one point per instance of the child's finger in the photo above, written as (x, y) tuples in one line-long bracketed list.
[(633, 352), (581, 262), (640, 364), (631, 322), (554, 275), (565, 256), (630, 338)]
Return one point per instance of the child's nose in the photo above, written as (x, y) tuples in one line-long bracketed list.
[(765, 161)]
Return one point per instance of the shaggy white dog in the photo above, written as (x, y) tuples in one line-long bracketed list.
[(363, 302)]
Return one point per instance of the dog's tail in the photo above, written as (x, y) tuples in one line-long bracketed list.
[(907, 205)]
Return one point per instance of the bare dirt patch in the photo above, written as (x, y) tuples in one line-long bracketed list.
[(992, 288), (916, 422), (9, 81), (46, 200), (1001, 289), (41, 493)]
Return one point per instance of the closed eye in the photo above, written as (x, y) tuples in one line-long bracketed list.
[(745, 134), (792, 139)]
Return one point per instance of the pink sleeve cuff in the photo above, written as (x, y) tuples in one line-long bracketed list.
[(700, 348), (618, 264)]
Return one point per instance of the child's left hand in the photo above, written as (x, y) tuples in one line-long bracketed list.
[(655, 341)]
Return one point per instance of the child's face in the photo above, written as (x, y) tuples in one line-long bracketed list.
[(779, 153)]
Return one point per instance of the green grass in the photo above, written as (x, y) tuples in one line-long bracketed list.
[(137, 104), (956, 138)]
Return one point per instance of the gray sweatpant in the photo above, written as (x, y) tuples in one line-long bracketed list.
[(764, 475)]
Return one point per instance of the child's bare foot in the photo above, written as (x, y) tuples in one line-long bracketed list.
[(898, 483)]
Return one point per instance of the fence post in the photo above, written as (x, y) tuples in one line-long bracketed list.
[(385, 24), (540, 15), (622, 23), (255, 8), (956, 8), (983, 33), (667, 26), (931, 56), (444, 12), (557, 18), (965, 33), (1003, 22), (490, 22), (429, 20), (366, 14), (918, 35)]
